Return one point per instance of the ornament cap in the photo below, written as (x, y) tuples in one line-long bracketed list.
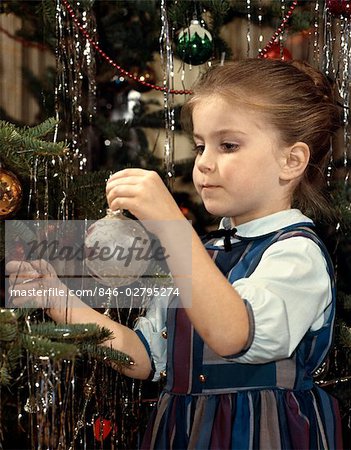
[(110, 213)]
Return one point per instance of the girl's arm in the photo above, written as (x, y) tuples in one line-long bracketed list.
[(216, 310), (39, 276), (124, 339), (214, 307)]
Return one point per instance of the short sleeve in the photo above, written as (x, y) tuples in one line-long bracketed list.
[(151, 330), (286, 295)]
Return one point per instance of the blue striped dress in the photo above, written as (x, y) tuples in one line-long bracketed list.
[(210, 402)]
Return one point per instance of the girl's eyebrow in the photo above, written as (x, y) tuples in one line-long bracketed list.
[(222, 132)]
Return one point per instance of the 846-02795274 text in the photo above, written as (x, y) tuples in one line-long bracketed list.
[(137, 291), (98, 291)]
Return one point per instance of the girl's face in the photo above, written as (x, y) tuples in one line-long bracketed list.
[(238, 162)]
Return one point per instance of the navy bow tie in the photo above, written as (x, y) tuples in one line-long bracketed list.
[(225, 233)]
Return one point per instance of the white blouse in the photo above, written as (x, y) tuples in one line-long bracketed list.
[(288, 293)]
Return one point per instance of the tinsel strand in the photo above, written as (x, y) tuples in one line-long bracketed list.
[(96, 46), (168, 71), (110, 61)]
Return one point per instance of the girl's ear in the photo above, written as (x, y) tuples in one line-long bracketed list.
[(296, 159)]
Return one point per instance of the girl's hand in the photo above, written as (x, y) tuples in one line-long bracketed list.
[(34, 284), (143, 193)]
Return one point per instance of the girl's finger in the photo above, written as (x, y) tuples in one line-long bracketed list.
[(43, 267), (121, 203), (30, 302), (130, 177), (19, 267), (24, 302), (127, 173), (130, 181)]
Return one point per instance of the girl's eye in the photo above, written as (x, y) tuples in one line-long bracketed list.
[(229, 147), (226, 147), (198, 149)]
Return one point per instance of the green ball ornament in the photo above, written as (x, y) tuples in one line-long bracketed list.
[(194, 44)]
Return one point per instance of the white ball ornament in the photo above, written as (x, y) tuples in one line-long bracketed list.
[(117, 250)]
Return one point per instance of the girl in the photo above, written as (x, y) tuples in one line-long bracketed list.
[(240, 358)]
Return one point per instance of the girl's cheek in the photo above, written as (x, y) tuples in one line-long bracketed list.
[(194, 173), (195, 177)]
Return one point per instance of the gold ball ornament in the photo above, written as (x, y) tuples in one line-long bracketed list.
[(10, 193)]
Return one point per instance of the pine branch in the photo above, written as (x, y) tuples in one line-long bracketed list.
[(13, 356), (8, 326), (344, 335), (5, 376), (18, 145), (41, 130), (51, 340), (39, 147), (341, 199), (8, 332), (345, 300), (8, 362), (43, 347), (16, 232), (47, 10), (107, 354), (74, 333), (22, 313)]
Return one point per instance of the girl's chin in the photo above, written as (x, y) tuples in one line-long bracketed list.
[(215, 210)]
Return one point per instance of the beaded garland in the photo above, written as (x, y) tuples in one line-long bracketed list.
[(124, 72)]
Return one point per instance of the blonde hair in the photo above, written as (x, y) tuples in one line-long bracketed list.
[(296, 99)]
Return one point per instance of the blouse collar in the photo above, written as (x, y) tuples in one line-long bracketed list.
[(267, 224)]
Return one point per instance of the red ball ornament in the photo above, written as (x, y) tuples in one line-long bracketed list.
[(339, 7), (275, 51), (102, 428)]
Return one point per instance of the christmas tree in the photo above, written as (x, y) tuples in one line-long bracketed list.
[(105, 94)]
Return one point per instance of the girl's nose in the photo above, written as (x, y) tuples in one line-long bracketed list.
[(205, 162)]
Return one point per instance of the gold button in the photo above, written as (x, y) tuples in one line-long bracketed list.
[(164, 334), (202, 378), (163, 374)]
